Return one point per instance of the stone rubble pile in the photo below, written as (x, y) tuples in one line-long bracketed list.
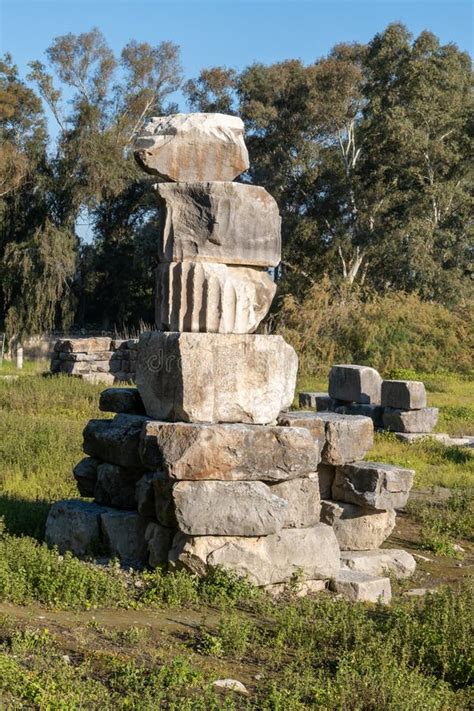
[(97, 360), (395, 405), (202, 465)]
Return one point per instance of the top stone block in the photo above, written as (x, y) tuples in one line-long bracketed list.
[(355, 383), (193, 147)]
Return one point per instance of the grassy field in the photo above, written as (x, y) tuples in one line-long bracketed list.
[(74, 635)]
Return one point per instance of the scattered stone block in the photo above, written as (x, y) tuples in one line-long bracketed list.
[(115, 441), (347, 437), (124, 534), (211, 298), (397, 562), (220, 222), (410, 420), (375, 412), (85, 474), (115, 486), (355, 383), (228, 452), (193, 147), (232, 685), (159, 540), (357, 528), (227, 508), (360, 587), (326, 474), (373, 485), (74, 525), (206, 377), (310, 421), (404, 394), (302, 497), (125, 401), (312, 553)]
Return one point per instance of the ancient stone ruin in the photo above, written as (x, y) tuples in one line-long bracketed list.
[(398, 406), (98, 359), (203, 464)]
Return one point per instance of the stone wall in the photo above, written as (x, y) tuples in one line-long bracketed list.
[(98, 360)]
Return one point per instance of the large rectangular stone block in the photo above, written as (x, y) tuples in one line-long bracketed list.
[(227, 508), (224, 222), (302, 497), (83, 345), (74, 525), (410, 420), (205, 377), (375, 412), (228, 451), (347, 437), (115, 441), (355, 383), (211, 298), (404, 394), (310, 421), (193, 147), (309, 553), (373, 485), (124, 401), (115, 486), (361, 587), (357, 528)]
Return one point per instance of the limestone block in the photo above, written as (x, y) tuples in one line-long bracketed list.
[(360, 587), (115, 486), (373, 485), (211, 298), (228, 451), (326, 474), (121, 400), (357, 528), (85, 474), (159, 540), (310, 421), (223, 222), (397, 562), (115, 441), (375, 412), (302, 497), (124, 534), (74, 525), (83, 345), (404, 394), (348, 437), (205, 377), (311, 553), (355, 383), (193, 147), (228, 508), (410, 420)]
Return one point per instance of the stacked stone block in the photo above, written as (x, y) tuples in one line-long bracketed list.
[(202, 466), (395, 405), (97, 360)]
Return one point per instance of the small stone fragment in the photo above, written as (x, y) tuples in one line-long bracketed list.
[(404, 394), (232, 685), (355, 383), (373, 485), (357, 528), (360, 587), (381, 561)]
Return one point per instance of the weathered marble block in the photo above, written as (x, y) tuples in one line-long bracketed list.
[(311, 553), (355, 383), (228, 451), (373, 485), (115, 441), (357, 528), (221, 222), (205, 377), (74, 525), (348, 437), (423, 420), (193, 147), (310, 421), (395, 561), (403, 394), (361, 587), (211, 298), (83, 345), (302, 497), (227, 508)]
